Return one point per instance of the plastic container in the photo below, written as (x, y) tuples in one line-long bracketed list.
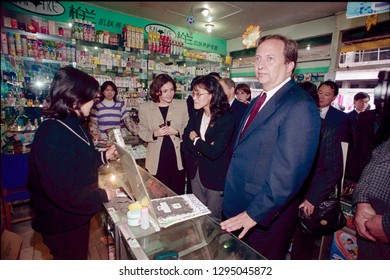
[(145, 218), (134, 218)]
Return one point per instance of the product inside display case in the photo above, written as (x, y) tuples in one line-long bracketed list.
[(187, 237), (198, 240)]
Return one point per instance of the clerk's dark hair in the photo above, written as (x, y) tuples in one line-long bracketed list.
[(157, 84), (103, 88), (219, 103), (70, 89)]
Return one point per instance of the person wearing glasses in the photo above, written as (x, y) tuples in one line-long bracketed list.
[(161, 125), (206, 140)]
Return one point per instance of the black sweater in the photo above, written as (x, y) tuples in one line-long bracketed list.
[(63, 177)]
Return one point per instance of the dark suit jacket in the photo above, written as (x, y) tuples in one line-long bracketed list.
[(327, 168), (210, 156), (338, 119), (190, 105), (238, 109), (351, 121), (361, 128), (272, 159)]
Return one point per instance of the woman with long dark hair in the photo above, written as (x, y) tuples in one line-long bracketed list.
[(206, 141)]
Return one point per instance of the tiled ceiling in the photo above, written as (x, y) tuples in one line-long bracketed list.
[(230, 19)]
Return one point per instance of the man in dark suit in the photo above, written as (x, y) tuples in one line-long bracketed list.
[(273, 154), (237, 108), (327, 93), (326, 172), (361, 129)]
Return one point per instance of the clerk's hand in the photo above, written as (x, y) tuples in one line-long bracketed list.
[(237, 222), (111, 193), (111, 152)]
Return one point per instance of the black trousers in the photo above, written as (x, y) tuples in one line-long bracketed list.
[(303, 246), (70, 245), (272, 245)]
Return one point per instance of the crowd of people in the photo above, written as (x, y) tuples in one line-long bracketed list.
[(253, 163)]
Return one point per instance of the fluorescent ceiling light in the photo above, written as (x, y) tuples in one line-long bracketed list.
[(205, 12), (209, 27)]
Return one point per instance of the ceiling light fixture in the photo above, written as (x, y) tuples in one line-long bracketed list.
[(308, 47), (209, 27), (205, 12)]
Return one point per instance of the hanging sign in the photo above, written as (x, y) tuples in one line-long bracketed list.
[(50, 8), (162, 29), (251, 35), (362, 9)]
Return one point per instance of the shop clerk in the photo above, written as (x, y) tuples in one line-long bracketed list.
[(64, 165)]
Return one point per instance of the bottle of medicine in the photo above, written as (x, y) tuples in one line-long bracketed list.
[(144, 218), (134, 217)]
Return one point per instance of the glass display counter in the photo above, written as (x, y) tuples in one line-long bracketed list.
[(197, 238)]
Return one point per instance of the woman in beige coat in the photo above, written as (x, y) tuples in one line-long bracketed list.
[(162, 122)]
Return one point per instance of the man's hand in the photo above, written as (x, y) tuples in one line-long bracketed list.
[(375, 228), (237, 222), (364, 212), (111, 193), (308, 208)]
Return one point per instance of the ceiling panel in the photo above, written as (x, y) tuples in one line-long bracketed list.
[(230, 19)]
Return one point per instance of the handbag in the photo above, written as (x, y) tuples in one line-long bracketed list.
[(327, 218)]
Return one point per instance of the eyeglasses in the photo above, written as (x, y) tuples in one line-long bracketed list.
[(197, 94)]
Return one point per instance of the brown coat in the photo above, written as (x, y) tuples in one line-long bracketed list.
[(150, 118)]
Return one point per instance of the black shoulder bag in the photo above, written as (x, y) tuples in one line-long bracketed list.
[(325, 219)]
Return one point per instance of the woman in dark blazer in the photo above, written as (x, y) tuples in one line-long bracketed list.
[(206, 139)]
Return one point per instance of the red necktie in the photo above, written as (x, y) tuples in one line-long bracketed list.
[(254, 111)]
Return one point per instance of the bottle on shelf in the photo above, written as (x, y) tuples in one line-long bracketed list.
[(11, 44), (24, 45), (36, 102), (4, 43)]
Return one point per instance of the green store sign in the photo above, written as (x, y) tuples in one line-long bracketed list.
[(66, 11)]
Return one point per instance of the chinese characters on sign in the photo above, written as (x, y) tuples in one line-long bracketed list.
[(189, 41), (90, 15)]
